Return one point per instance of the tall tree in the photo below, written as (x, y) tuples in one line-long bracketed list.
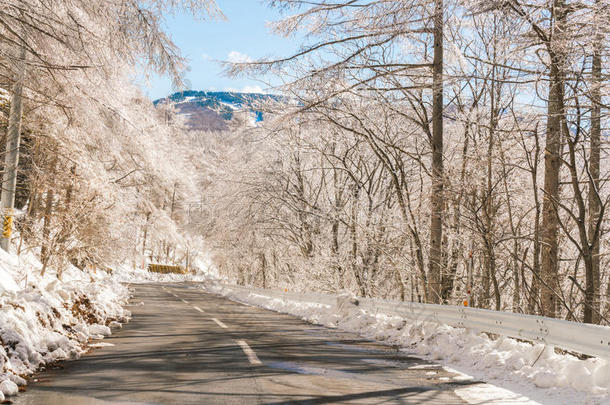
[(11, 158), (552, 158), (435, 267), (593, 309)]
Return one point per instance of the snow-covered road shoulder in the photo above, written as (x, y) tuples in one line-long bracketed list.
[(44, 319), (527, 373)]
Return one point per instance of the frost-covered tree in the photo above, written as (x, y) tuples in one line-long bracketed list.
[(345, 175), (96, 158)]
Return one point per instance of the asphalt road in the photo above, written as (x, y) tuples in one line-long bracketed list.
[(184, 346)]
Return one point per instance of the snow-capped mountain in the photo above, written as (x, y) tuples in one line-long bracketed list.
[(211, 110)]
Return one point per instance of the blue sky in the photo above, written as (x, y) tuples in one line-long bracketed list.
[(244, 34)]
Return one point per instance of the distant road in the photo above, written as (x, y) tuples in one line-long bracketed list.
[(184, 346)]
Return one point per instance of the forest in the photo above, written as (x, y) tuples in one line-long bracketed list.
[(101, 175), (438, 151), (451, 152)]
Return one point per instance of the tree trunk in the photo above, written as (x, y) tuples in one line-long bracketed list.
[(264, 269), (354, 243), (335, 231), (437, 198), (11, 158), (534, 293), (45, 252), (594, 171), (335, 255), (145, 234), (552, 164)]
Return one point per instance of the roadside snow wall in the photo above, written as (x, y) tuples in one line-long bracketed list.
[(44, 320)]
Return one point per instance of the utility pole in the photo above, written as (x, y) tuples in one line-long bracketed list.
[(11, 159)]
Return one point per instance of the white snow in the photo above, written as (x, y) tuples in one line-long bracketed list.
[(101, 344), (528, 373), (44, 319), (7, 284), (490, 394), (9, 388), (99, 330)]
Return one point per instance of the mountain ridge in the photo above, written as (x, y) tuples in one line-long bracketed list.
[(212, 110)]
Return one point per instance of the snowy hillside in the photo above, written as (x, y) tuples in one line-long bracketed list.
[(210, 110)]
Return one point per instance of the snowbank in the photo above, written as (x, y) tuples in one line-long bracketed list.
[(44, 320), (528, 369)]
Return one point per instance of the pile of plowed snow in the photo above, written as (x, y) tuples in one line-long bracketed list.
[(44, 319)]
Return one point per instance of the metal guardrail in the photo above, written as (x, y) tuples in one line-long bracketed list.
[(592, 340), (311, 298)]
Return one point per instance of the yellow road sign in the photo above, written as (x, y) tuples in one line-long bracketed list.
[(7, 226)]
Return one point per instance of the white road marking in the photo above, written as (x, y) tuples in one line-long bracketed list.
[(198, 309), (219, 323), (252, 357), (185, 301)]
